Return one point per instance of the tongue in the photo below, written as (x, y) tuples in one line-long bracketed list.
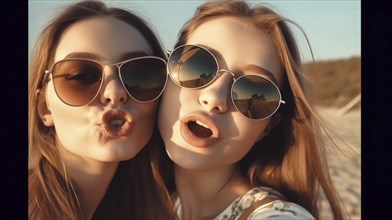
[(199, 130)]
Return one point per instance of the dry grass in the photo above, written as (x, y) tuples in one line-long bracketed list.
[(334, 83)]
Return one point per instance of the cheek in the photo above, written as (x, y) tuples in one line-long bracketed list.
[(65, 117), (246, 134), (144, 127), (73, 129), (146, 117), (71, 124), (250, 129), (145, 111), (169, 109)]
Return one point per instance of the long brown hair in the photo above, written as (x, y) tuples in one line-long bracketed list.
[(52, 194), (291, 158)]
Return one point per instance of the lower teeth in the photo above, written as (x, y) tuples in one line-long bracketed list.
[(117, 122)]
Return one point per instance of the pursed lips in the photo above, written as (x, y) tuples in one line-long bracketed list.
[(115, 123)]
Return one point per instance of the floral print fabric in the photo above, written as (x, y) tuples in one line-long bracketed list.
[(277, 209)]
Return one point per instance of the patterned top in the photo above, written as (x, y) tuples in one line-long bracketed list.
[(277, 209)]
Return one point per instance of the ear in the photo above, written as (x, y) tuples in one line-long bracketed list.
[(42, 108), (274, 121)]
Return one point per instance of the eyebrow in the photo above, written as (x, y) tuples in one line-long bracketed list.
[(84, 55), (94, 56)]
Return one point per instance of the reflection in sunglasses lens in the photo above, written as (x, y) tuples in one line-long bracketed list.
[(145, 78), (192, 66), (255, 97), (77, 82)]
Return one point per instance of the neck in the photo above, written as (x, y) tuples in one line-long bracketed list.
[(92, 179), (206, 193)]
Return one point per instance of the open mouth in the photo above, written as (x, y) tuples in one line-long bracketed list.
[(199, 129)]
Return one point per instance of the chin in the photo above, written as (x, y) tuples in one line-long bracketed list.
[(190, 161), (121, 151)]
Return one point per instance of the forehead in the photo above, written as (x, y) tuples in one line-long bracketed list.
[(239, 43), (107, 37)]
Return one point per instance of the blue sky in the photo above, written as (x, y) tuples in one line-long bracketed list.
[(333, 27)]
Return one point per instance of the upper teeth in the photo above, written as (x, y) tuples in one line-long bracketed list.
[(117, 122), (202, 124)]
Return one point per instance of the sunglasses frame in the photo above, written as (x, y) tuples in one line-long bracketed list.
[(220, 72), (118, 65)]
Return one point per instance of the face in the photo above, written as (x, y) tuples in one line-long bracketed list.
[(112, 127), (185, 113)]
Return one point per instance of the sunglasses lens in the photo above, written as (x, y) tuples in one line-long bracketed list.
[(255, 97), (76, 82), (192, 66), (144, 78)]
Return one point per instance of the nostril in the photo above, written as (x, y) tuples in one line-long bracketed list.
[(217, 109), (113, 91)]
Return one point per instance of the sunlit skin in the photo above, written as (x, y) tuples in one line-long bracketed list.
[(202, 171), (90, 156)]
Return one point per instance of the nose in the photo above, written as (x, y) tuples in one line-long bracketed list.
[(216, 96), (112, 91)]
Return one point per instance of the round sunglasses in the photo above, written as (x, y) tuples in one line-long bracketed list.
[(77, 81), (194, 67)]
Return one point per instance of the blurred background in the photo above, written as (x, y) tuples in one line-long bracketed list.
[(333, 29)]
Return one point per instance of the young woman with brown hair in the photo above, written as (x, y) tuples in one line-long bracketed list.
[(237, 123), (95, 79)]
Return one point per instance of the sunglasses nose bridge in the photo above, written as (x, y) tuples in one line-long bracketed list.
[(221, 71)]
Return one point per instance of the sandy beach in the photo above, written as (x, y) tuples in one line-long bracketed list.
[(345, 166)]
